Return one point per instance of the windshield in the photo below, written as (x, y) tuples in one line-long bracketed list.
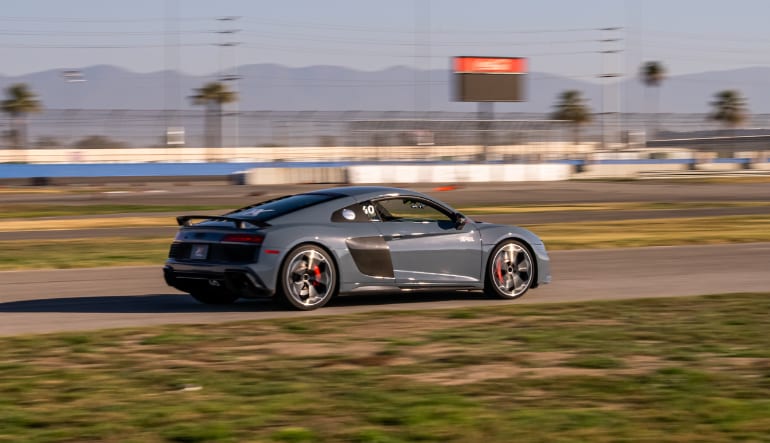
[(270, 209)]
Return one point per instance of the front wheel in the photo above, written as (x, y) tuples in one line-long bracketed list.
[(511, 271), (308, 277)]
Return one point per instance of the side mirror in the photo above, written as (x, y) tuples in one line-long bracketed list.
[(460, 220)]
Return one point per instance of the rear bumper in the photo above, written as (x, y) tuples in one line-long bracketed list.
[(238, 280)]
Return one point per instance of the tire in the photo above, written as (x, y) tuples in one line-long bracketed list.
[(214, 297), (308, 277), (511, 270)]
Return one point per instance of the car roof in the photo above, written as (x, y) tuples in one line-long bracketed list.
[(367, 191), (362, 193)]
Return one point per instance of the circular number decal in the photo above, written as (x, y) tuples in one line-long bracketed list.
[(348, 214)]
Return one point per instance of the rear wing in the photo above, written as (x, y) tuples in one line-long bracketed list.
[(186, 220)]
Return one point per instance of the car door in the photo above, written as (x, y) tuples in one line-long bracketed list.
[(427, 246)]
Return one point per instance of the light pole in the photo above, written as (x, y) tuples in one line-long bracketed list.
[(73, 76)]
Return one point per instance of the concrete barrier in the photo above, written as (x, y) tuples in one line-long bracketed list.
[(604, 170), (718, 167), (284, 176)]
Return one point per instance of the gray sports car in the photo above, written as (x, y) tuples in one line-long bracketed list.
[(306, 248)]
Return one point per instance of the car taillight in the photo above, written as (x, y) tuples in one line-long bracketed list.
[(244, 238)]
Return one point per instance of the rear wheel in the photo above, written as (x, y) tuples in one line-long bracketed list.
[(308, 277), (214, 297), (511, 271)]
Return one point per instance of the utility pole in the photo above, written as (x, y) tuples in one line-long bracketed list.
[(609, 40), (171, 98), (423, 134), (233, 76)]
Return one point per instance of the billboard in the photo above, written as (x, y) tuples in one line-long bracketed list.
[(489, 79)]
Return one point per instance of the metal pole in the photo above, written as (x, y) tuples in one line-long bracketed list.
[(232, 77), (607, 76), (486, 112)]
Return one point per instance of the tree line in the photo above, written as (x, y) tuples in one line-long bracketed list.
[(728, 107), (20, 101)]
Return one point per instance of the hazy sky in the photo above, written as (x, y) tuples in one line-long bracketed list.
[(560, 37)]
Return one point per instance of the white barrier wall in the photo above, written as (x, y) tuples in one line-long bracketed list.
[(459, 173), (410, 173)]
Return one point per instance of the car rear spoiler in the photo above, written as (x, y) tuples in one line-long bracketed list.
[(185, 220)]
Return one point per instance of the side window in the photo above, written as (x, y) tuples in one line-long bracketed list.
[(357, 213), (409, 210)]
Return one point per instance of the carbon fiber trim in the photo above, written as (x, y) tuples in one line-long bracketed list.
[(371, 256)]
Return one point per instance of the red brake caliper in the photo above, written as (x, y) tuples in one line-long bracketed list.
[(499, 270), (317, 272)]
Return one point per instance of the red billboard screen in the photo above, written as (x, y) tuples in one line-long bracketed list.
[(499, 65), (489, 79)]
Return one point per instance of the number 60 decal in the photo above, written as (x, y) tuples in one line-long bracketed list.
[(368, 210)]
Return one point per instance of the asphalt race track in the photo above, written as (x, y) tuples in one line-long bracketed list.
[(90, 299)]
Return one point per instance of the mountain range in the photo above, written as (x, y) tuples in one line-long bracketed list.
[(333, 88)]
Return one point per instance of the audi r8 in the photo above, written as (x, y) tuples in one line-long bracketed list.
[(306, 248)]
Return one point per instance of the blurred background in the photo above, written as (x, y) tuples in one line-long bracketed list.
[(618, 80), (116, 117)]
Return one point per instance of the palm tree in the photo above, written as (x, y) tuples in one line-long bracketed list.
[(572, 107), (729, 108), (213, 95), (20, 101), (652, 74)]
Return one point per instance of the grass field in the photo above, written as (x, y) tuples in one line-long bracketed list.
[(676, 370), (655, 232), (82, 252), (27, 211)]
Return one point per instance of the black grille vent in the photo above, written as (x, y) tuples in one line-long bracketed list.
[(179, 251)]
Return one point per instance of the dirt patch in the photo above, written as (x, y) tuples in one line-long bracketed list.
[(478, 373), (732, 363), (412, 326), (540, 365), (350, 349)]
